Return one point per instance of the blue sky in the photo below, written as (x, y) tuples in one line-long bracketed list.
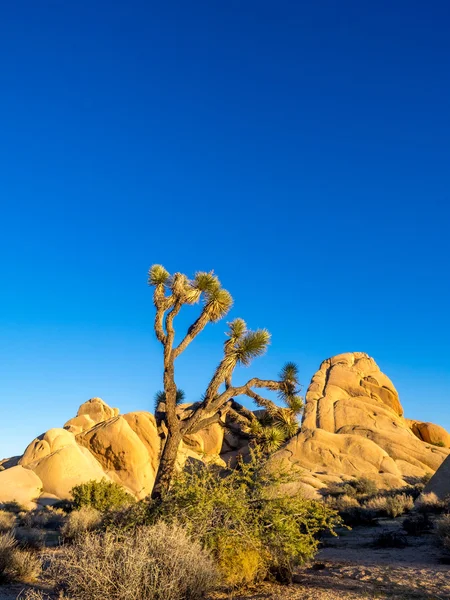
[(301, 150)]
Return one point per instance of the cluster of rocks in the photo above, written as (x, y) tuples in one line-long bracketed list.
[(353, 426)]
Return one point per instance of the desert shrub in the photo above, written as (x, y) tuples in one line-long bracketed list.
[(159, 562), (79, 522), (341, 489), (16, 564), (359, 516), (13, 507), (46, 518), (101, 495), (365, 486), (342, 503), (417, 524), (430, 503), (30, 538), (443, 531), (247, 508), (390, 539), (399, 504), (7, 521), (377, 504)]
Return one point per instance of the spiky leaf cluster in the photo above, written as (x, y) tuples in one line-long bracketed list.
[(157, 275), (160, 397)]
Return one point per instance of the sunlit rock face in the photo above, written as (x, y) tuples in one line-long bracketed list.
[(353, 426)]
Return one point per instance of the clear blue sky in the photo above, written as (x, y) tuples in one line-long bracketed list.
[(300, 149)]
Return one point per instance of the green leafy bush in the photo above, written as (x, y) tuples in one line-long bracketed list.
[(101, 495), (151, 563), (253, 528)]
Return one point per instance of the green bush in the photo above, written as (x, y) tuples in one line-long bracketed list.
[(101, 495), (244, 516)]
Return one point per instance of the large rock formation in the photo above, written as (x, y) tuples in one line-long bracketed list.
[(439, 484), (96, 444), (353, 426)]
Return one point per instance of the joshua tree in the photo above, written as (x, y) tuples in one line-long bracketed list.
[(171, 293)]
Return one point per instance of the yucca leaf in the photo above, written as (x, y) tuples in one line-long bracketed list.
[(237, 329), (206, 282), (161, 397), (289, 373), (253, 344), (295, 403), (157, 275), (273, 438), (218, 303)]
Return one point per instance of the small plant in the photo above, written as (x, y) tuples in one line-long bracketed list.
[(417, 524), (13, 507), (365, 486), (7, 521), (443, 531), (390, 539), (16, 564), (378, 504), (430, 503), (399, 504), (101, 495), (46, 518), (359, 516), (30, 538), (152, 563), (79, 522)]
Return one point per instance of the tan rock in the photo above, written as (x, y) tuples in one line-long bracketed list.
[(430, 433), (65, 468), (20, 485), (89, 414), (439, 484), (353, 426), (127, 447), (45, 444)]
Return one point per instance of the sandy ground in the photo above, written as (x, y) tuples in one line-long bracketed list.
[(348, 567)]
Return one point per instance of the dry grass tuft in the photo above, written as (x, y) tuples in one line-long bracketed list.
[(152, 563), (7, 521), (17, 564), (430, 503), (399, 504), (80, 522)]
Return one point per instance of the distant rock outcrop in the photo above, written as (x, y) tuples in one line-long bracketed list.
[(439, 484), (353, 426)]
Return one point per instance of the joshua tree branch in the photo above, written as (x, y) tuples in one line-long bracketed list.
[(192, 332)]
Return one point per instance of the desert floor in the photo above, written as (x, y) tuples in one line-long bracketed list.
[(349, 567)]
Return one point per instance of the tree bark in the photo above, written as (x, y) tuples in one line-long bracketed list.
[(166, 467)]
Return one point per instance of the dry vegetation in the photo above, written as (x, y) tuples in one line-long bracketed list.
[(210, 533)]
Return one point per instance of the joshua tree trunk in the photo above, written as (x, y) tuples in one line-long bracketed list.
[(166, 466)]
